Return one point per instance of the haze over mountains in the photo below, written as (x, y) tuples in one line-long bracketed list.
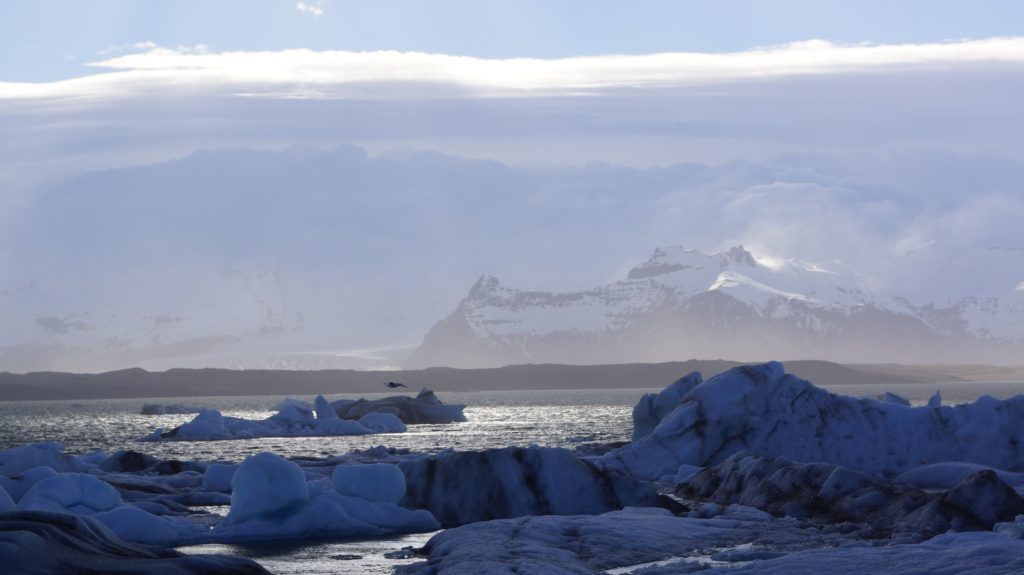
[(304, 209), (337, 258), (963, 306)]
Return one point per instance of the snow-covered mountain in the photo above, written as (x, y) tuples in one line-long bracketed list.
[(925, 306)]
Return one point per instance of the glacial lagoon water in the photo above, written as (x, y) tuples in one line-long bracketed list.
[(561, 418)]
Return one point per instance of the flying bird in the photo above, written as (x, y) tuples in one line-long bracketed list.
[(394, 384)]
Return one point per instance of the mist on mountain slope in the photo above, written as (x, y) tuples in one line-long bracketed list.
[(309, 257)]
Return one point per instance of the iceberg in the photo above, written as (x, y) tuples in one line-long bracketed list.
[(298, 419), (291, 421), (831, 493), (422, 409), (271, 499), (76, 493), (468, 486), (380, 482), (653, 407), (574, 545), (731, 540), (47, 454), (217, 477), (19, 484), (42, 543), (764, 411)]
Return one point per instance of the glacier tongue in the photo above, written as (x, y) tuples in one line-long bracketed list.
[(763, 410)]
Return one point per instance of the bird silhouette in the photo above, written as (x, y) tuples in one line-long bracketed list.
[(394, 384)]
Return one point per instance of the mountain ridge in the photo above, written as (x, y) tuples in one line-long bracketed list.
[(685, 303)]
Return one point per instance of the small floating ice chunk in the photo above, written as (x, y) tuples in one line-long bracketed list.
[(361, 417), (173, 408)]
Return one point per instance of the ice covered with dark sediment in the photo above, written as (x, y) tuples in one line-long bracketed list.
[(467, 486), (831, 493)]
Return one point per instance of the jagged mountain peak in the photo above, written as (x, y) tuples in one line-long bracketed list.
[(671, 259), (684, 303), (484, 286), (738, 255)]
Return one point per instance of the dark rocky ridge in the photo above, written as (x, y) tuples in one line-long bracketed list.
[(215, 382)]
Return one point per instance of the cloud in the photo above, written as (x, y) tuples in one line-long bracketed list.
[(314, 8), (295, 73), (130, 194)]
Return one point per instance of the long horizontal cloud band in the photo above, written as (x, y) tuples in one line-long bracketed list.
[(306, 73)]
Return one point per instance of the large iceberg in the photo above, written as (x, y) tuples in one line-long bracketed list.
[(727, 541), (831, 493), (467, 486), (762, 410)]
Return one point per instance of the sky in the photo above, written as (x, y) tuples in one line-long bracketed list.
[(210, 183), (47, 40)]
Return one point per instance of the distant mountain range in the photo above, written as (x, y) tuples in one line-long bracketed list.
[(930, 305)]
